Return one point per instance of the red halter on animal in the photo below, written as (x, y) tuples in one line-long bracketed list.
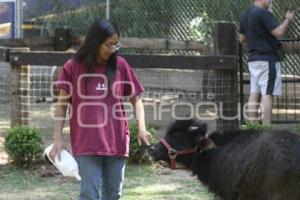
[(174, 153)]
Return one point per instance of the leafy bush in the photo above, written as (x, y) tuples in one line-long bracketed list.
[(256, 126), (138, 154), (24, 145), (201, 27)]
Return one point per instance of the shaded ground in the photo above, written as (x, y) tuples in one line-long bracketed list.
[(141, 183)]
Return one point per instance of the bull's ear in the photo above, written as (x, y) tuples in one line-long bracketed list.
[(205, 143)]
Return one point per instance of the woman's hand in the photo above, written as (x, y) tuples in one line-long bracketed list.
[(57, 147), (144, 136)]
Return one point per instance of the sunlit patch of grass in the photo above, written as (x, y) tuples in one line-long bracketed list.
[(152, 182), (142, 182)]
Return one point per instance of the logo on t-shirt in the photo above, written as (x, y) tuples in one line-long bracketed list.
[(101, 87)]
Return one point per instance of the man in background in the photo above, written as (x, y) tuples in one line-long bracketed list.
[(260, 30)]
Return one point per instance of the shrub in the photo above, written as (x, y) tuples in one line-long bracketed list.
[(138, 154), (24, 145)]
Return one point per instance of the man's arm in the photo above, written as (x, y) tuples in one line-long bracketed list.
[(281, 29), (242, 38)]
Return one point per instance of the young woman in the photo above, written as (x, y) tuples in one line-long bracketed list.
[(94, 83)]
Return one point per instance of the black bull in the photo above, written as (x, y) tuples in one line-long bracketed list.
[(236, 164)]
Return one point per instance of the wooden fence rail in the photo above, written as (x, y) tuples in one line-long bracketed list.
[(205, 48), (17, 57), (44, 43)]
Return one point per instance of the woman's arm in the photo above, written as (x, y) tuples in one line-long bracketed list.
[(143, 134), (60, 113)]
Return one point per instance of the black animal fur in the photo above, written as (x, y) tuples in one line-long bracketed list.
[(242, 165)]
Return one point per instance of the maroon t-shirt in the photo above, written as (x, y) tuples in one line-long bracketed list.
[(97, 118)]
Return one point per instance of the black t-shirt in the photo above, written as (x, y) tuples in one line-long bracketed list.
[(257, 24)]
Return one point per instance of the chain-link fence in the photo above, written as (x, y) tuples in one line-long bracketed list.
[(174, 19)]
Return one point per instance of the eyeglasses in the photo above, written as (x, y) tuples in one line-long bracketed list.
[(113, 47)]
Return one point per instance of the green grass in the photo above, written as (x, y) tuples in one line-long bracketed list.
[(146, 182), (17, 184), (257, 126), (142, 182)]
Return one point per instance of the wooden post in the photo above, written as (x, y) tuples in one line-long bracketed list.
[(19, 91), (226, 43)]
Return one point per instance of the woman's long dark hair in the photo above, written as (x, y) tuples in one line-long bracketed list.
[(97, 33)]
